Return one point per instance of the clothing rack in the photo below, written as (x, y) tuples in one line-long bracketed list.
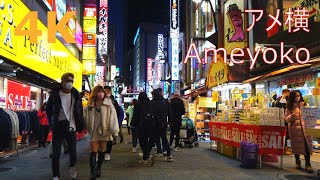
[(3, 106)]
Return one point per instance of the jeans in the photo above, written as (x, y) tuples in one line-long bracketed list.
[(109, 147), (146, 144), (175, 134), (60, 131), (134, 137), (162, 134), (43, 135)]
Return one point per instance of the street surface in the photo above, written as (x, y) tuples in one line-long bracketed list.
[(198, 163)]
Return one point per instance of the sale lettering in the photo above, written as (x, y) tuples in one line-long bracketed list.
[(272, 141)]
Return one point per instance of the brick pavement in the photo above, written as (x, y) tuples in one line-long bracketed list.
[(197, 163)]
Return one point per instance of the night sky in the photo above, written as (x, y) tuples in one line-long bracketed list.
[(126, 16), (156, 11)]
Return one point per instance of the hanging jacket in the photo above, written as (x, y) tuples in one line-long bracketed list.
[(5, 129), (14, 123)]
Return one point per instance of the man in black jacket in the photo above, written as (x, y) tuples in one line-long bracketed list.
[(177, 108), (65, 115)]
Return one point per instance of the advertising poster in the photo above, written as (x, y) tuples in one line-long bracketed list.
[(18, 95)]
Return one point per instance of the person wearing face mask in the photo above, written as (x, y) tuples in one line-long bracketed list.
[(65, 115), (101, 123)]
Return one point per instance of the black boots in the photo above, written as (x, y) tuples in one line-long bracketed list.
[(93, 165), (100, 160)]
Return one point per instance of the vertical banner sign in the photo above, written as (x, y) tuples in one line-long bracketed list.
[(89, 67), (103, 27), (149, 70), (174, 35), (61, 8), (100, 74), (113, 72), (18, 95)]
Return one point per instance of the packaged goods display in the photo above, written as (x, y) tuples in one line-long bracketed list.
[(272, 116)]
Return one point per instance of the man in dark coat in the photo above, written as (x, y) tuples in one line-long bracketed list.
[(65, 115), (177, 108), (163, 114)]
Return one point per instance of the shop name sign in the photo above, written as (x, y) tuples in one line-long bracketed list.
[(294, 80), (237, 54), (31, 49)]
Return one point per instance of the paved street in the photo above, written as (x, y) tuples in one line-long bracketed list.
[(197, 163)]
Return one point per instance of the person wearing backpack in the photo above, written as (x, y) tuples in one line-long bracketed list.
[(145, 122), (178, 110), (162, 112)]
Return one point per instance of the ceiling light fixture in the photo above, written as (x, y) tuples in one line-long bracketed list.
[(1, 61)]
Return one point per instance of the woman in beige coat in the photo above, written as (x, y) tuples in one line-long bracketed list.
[(101, 123), (300, 142)]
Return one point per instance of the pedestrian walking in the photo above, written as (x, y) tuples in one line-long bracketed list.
[(101, 123), (44, 126), (177, 108), (134, 135), (120, 115), (163, 113), (146, 123), (300, 142), (65, 114)]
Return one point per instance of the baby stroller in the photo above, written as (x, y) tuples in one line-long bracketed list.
[(188, 133)]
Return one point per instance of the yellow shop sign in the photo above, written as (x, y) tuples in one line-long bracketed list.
[(49, 59), (217, 74), (206, 102)]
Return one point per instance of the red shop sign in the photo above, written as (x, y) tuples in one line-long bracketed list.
[(297, 79), (17, 92)]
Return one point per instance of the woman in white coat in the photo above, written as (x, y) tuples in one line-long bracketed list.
[(101, 123)]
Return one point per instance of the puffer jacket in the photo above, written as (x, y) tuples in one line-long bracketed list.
[(54, 106), (297, 132), (108, 122)]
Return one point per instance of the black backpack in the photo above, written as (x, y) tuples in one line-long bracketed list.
[(149, 119)]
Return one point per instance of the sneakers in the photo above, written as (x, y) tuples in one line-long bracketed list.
[(165, 153), (73, 172), (134, 150), (107, 157), (169, 158), (55, 178), (309, 168), (177, 149), (158, 155), (147, 162), (140, 154)]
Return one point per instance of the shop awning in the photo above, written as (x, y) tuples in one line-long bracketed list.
[(252, 79), (286, 70)]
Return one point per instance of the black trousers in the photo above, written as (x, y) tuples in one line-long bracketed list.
[(175, 134), (307, 156), (146, 144), (162, 134), (43, 135), (109, 147), (61, 131)]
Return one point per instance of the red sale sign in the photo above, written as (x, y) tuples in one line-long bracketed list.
[(269, 138), (16, 93)]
